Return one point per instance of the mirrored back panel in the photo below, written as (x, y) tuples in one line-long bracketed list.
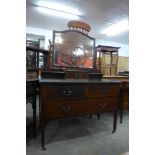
[(73, 49)]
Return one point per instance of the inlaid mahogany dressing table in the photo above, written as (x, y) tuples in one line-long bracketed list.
[(73, 86)]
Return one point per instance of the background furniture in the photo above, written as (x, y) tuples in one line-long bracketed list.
[(108, 59), (125, 87), (124, 92), (123, 64), (36, 57), (31, 92)]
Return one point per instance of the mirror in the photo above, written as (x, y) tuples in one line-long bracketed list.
[(72, 48)]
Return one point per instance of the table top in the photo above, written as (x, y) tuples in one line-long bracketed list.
[(80, 81)]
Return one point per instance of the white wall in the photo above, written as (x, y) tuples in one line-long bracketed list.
[(123, 51)]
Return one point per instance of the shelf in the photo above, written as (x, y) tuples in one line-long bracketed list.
[(39, 50)]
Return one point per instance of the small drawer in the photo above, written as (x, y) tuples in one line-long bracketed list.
[(107, 104), (65, 91), (100, 91)]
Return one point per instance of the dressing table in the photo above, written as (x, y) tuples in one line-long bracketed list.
[(72, 86)]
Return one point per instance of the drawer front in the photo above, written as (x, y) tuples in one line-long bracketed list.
[(107, 104), (65, 91), (57, 108), (102, 90)]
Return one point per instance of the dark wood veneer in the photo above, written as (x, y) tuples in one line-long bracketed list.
[(66, 98)]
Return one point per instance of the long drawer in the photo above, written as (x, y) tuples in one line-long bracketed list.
[(54, 108)]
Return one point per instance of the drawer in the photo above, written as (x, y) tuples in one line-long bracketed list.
[(107, 104), (65, 91), (102, 90), (56, 108)]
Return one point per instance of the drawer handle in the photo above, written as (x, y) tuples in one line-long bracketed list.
[(67, 92), (102, 105), (66, 109), (104, 90)]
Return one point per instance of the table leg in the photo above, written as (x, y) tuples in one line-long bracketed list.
[(121, 107), (34, 115), (39, 111), (42, 131), (121, 114), (115, 121)]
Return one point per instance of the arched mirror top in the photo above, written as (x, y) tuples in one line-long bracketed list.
[(73, 49)]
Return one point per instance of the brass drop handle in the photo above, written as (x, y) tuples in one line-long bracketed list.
[(66, 109), (102, 105), (67, 92)]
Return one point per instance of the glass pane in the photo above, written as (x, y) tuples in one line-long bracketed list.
[(73, 49)]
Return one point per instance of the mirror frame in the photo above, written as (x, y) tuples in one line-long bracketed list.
[(94, 54)]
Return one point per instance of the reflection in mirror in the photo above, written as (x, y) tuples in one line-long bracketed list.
[(73, 49)]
